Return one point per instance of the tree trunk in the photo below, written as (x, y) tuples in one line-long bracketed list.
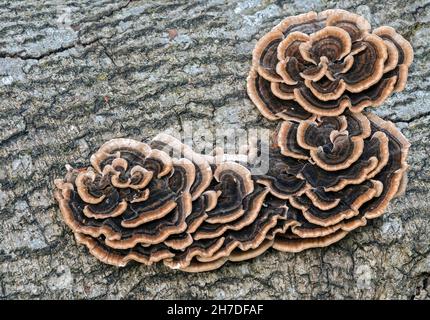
[(74, 76)]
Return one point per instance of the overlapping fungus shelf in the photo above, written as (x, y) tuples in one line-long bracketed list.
[(321, 64), (332, 167), (335, 173), (326, 178)]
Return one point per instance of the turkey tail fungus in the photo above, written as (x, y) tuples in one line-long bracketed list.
[(323, 64), (332, 165)]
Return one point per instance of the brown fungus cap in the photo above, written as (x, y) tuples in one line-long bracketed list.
[(351, 167), (325, 63)]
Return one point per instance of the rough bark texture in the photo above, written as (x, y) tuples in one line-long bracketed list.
[(73, 76)]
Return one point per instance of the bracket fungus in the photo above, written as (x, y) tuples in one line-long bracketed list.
[(325, 63), (348, 168), (136, 202), (326, 178), (332, 166)]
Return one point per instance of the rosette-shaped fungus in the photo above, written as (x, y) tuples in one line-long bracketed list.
[(346, 169), (321, 64), (136, 202), (130, 203)]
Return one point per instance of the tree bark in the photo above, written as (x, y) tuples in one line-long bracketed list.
[(73, 76)]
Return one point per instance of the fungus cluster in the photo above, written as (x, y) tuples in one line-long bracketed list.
[(335, 173), (322, 64), (332, 166), (136, 202)]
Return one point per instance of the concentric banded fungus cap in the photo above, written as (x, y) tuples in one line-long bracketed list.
[(321, 64), (131, 196), (350, 167)]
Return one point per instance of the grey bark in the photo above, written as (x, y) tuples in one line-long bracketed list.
[(73, 76)]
